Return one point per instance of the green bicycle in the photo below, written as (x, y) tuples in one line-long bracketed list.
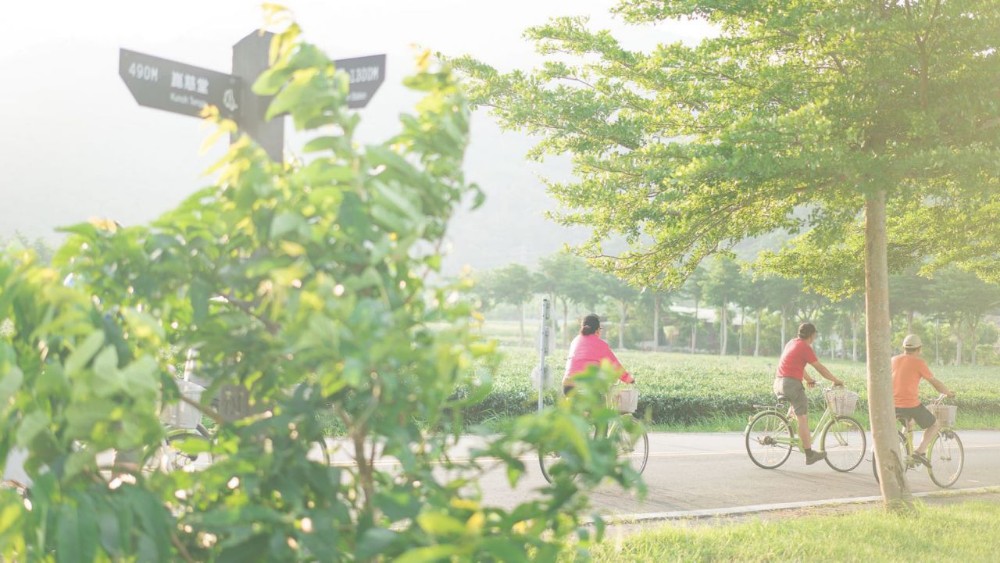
[(945, 453), (771, 434)]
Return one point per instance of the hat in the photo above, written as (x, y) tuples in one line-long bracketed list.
[(912, 341)]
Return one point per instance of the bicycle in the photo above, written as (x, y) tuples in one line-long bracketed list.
[(630, 445), (945, 452), (187, 445), (770, 434)]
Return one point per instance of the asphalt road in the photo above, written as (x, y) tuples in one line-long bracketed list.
[(690, 472)]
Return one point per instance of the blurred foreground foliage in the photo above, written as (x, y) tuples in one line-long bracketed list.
[(306, 286)]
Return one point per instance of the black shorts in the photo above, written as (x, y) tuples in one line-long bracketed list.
[(919, 413), (567, 389)]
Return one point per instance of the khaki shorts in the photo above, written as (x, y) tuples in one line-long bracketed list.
[(792, 389)]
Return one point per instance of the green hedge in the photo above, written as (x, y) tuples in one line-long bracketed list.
[(684, 389)]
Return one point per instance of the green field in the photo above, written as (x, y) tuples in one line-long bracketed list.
[(701, 392)]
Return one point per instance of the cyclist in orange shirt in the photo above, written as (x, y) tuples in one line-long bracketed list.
[(908, 369)]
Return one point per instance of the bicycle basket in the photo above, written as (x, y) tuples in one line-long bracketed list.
[(945, 414), (181, 414), (627, 400), (842, 402)]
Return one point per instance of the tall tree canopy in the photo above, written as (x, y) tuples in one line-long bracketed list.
[(804, 115)]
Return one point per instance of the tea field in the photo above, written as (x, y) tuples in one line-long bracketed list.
[(702, 392)]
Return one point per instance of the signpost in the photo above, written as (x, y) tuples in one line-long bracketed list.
[(185, 89), (366, 74), (178, 87)]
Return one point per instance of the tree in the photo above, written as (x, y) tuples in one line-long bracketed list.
[(306, 286), (623, 295), (512, 284), (568, 279), (879, 110), (964, 299), (723, 285), (694, 287), (908, 294)]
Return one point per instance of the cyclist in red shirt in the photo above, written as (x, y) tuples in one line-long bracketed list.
[(789, 377)]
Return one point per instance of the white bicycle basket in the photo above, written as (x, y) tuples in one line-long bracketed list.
[(627, 400), (181, 414), (945, 414), (842, 402)]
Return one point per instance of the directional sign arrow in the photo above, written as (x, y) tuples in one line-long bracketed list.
[(178, 87), (366, 73)]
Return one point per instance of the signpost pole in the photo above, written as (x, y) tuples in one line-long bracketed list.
[(543, 351), (250, 59)]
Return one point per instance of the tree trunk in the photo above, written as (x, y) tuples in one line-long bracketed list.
[(882, 413), (723, 333), (565, 322), (656, 322), (522, 323), (781, 345), (743, 323), (937, 337), (959, 344), (623, 310), (854, 339), (756, 336), (973, 325), (909, 322), (694, 329)]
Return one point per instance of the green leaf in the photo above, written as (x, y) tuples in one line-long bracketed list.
[(10, 383), (374, 542), (200, 294), (82, 355), (440, 524), (428, 554), (285, 223)]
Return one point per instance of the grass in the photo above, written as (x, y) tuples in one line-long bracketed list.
[(962, 532)]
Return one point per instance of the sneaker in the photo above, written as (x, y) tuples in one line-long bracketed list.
[(921, 458), (814, 456)]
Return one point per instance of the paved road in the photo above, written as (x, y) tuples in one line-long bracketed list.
[(706, 471), (689, 472)]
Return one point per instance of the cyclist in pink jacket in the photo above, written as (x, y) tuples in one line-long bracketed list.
[(589, 349)]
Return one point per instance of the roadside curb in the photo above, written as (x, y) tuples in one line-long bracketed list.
[(619, 519)]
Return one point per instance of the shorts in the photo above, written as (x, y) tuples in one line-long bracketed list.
[(567, 389), (919, 413), (792, 389)]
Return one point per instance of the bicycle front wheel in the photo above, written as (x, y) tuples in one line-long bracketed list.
[(947, 457), (631, 448), (768, 440), (844, 442)]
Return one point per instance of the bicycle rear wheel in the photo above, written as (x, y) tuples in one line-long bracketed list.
[(947, 457), (633, 449), (845, 443), (768, 440)]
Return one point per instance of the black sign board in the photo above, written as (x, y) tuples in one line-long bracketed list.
[(366, 73), (178, 87)]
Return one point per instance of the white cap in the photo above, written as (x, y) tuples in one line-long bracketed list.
[(912, 341)]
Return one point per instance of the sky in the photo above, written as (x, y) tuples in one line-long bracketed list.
[(77, 146)]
